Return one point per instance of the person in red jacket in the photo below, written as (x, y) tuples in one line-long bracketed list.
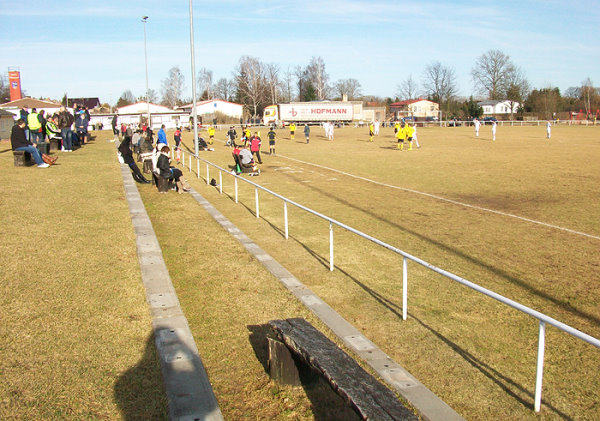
[(255, 142)]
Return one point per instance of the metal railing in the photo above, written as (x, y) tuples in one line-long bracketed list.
[(542, 318)]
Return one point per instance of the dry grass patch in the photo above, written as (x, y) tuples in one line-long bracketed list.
[(74, 325)]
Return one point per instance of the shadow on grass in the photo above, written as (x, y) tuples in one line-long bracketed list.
[(508, 385), (496, 271), (140, 392), (326, 405)]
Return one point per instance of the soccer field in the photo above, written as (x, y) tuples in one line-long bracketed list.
[(520, 216)]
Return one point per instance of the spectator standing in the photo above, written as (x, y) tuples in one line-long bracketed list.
[(162, 135), (114, 123), (307, 132), (23, 114), (65, 120), (35, 127), (43, 121)]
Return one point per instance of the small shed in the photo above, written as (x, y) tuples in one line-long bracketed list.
[(7, 121)]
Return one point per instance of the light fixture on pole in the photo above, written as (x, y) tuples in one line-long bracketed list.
[(195, 113), (144, 19)]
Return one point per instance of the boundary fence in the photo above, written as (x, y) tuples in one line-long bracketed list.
[(543, 319)]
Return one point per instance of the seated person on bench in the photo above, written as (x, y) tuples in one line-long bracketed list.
[(20, 143), (165, 170)]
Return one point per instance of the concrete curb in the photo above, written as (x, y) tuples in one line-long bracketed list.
[(429, 406), (189, 392)]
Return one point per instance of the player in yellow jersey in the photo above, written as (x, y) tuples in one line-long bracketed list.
[(371, 131), (409, 130), (401, 135), (211, 135), (292, 130)]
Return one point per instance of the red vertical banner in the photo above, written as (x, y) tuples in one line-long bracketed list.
[(14, 80)]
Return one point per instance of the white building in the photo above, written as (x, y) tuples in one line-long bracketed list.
[(159, 115), (212, 106), (492, 107)]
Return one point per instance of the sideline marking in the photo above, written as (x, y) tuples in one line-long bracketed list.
[(433, 196)]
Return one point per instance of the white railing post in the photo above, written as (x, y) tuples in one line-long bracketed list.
[(182, 158), (404, 287), (207, 174), (198, 167), (221, 182), (257, 205), (190, 162), (236, 189), (285, 219), (331, 266), (540, 366)]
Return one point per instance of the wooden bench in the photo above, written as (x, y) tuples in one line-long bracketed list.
[(22, 159), (362, 392), (162, 184), (55, 143)]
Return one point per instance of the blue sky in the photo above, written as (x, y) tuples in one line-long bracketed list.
[(97, 48)]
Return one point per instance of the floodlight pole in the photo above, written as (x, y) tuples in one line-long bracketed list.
[(194, 111), (144, 19)]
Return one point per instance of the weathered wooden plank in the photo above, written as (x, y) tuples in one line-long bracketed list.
[(367, 396)]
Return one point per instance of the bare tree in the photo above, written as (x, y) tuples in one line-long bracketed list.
[(287, 86), (126, 98), (152, 96), (408, 89), (272, 79), (301, 82), (225, 89), (349, 87), (205, 83), (250, 81), (172, 87), (517, 90), (318, 77), (492, 74), (440, 83), (587, 92)]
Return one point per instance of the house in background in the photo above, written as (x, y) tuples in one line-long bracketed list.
[(89, 103), (493, 107), (418, 108), (209, 108), (15, 106)]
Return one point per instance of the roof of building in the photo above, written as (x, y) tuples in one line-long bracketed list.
[(86, 102), (30, 103), (408, 102), (208, 101), (6, 113), (489, 102)]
